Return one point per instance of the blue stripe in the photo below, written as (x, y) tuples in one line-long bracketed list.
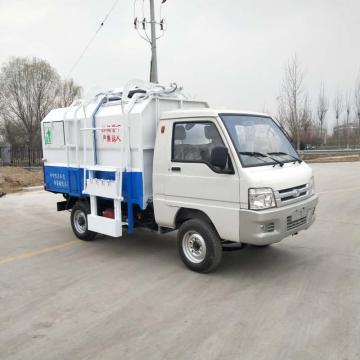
[(69, 180)]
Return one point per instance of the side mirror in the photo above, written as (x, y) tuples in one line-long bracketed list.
[(219, 157)]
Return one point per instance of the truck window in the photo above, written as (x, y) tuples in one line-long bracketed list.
[(193, 142), (258, 134)]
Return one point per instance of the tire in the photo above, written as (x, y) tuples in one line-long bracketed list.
[(79, 222), (199, 246), (261, 246)]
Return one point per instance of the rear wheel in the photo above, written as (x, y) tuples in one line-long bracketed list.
[(79, 222), (199, 246)]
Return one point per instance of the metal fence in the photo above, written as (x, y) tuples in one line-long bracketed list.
[(20, 156)]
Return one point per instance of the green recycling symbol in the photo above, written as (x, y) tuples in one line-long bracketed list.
[(48, 136)]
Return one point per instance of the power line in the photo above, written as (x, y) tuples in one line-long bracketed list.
[(92, 38)]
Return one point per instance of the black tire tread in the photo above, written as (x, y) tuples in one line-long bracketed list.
[(84, 206), (213, 245)]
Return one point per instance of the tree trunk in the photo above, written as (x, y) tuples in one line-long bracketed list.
[(298, 140), (29, 156)]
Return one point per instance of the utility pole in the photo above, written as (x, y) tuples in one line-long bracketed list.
[(153, 67), (358, 114), (141, 26), (347, 127)]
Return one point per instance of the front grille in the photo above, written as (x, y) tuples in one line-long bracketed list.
[(300, 187), (293, 224), (291, 195), (270, 227)]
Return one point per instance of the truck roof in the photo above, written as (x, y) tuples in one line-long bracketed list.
[(209, 112)]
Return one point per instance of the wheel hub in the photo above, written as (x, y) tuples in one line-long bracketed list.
[(80, 221), (194, 247)]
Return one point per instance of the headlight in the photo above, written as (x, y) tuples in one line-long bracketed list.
[(261, 198), (312, 186)]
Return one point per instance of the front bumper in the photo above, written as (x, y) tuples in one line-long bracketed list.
[(273, 225)]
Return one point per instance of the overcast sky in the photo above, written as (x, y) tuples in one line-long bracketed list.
[(230, 52)]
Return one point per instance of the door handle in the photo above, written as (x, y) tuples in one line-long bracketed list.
[(176, 168)]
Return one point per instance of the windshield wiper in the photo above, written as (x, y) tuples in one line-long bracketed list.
[(259, 154), (283, 154), (254, 154)]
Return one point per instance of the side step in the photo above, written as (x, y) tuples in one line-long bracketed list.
[(104, 225), (110, 189)]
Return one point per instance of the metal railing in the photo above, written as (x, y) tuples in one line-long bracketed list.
[(330, 152), (22, 156)]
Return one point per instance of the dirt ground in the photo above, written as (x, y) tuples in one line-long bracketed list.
[(13, 179), (327, 159)]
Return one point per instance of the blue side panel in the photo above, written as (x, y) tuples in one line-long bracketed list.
[(76, 181), (70, 181), (63, 180), (133, 187)]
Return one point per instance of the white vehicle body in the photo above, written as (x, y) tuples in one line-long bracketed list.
[(142, 156), (224, 197)]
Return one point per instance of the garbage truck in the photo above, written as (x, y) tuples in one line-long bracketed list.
[(148, 156)]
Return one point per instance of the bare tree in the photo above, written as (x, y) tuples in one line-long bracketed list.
[(292, 99), (69, 91), (306, 118), (357, 104), (29, 89), (322, 109), (281, 113), (338, 106), (348, 112)]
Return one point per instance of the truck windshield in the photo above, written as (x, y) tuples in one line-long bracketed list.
[(258, 140)]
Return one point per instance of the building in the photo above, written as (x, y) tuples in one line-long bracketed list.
[(347, 134), (313, 135)]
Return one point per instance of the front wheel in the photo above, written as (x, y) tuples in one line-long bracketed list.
[(79, 222), (199, 246)]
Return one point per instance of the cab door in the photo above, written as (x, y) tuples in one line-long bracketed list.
[(192, 182)]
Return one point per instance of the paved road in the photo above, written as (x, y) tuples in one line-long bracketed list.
[(132, 298)]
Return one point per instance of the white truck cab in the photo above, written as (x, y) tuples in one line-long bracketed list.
[(220, 177), (235, 170)]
